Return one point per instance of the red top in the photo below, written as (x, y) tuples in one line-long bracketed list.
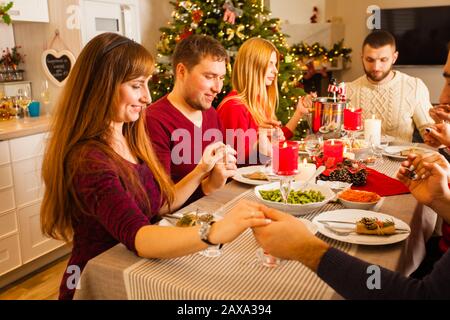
[(444, 243), (177, 141), (234, 115), (113, 214)]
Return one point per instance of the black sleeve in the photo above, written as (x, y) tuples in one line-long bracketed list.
[(353, 278)]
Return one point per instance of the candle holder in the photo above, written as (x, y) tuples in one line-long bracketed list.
[(285, 165), (352, 123), (333, 152)]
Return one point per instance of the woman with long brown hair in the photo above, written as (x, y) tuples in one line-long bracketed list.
[(103, 182), (252, 103)]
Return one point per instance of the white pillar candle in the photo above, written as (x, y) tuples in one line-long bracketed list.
[(372, 130), (305, 171)]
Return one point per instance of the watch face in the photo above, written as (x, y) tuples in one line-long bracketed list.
[(204, 230)]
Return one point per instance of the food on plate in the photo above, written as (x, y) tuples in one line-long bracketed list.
[(191, 218), (359, 196), (355, 144), (373, 226), (418, 151), (295, 197), (257, 175)]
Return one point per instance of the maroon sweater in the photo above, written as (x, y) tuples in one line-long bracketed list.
[(113, 214), (178, 143)]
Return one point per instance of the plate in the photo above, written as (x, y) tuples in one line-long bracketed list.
[(295, 209), (245, 170), (394, 151), (385, 139), (353, 215), (172, 222)]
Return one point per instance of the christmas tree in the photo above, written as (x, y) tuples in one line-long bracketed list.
[(231, 22)]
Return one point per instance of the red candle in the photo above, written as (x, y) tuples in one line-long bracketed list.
[(333, 149), (285, 158), (352, 119), (317, 116)]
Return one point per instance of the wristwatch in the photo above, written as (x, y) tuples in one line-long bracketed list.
[(203, 232)]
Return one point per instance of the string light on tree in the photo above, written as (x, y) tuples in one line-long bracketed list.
[(251, 19)]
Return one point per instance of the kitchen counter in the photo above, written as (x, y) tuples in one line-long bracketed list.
[(16, 128)]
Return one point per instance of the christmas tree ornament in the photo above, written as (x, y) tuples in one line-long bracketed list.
[(251, 19)]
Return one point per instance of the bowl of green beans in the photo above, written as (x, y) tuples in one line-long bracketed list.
[(301, 200)]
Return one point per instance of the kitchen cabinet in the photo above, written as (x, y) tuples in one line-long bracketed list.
[(21, 191), (118, 16), (29, 10)]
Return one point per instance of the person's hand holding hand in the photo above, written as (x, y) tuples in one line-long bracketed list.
[(431, 183), (223, 169), (244, 215), (439, 134), (304, 104), (440, 113), (211, 155)]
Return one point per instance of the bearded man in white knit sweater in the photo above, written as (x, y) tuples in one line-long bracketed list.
[(400, 101)]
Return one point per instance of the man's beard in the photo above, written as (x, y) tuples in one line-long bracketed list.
[(196, 104), (379, 78)]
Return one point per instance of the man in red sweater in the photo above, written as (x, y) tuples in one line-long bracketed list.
[(182, 123)]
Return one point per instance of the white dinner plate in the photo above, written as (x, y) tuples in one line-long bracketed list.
[(394, 151), (385, 139), (353, 215), (245, 170)]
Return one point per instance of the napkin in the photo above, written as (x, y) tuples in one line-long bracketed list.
[(382, 184)]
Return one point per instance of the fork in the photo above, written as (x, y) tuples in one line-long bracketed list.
[(336, 231)]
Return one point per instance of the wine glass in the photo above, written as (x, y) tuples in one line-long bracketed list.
[(23, 100), (285, 187), (212, 250), (375, 154), (45, 94), (313, 145)]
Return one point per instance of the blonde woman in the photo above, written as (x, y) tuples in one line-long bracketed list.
[(251, 104), (104, 184)]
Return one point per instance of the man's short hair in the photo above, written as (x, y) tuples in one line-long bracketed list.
[(379, 38), (191, 50)]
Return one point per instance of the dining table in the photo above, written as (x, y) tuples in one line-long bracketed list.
[(238, 274)]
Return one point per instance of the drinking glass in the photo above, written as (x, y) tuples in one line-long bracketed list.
[(23, 100), (285, 187), (375, 154), (45, 94), (313, 145)]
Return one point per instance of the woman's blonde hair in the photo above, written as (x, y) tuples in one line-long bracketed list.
[(82, 123), (248, 79)]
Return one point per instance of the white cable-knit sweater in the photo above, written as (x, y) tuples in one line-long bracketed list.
[(399, 103)]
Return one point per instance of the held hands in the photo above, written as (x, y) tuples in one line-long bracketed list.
[(437, 135), (440, 113), (245, 214), (288, 238), (267, 136), (224, 168), (304, 104), (211, 155), (433, 173)]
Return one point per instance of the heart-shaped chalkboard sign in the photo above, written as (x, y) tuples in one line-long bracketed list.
[(57, 65)]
